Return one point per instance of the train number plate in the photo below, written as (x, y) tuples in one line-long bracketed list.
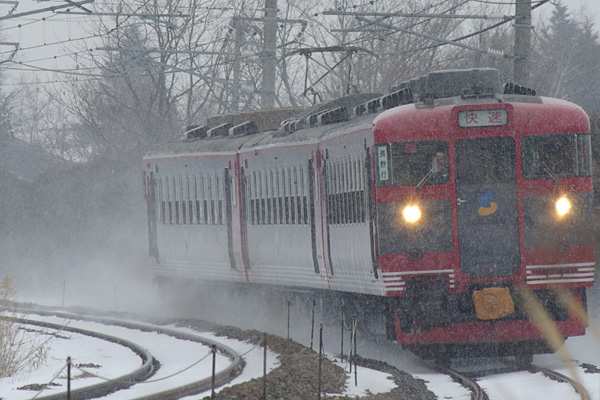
[(493, 303)]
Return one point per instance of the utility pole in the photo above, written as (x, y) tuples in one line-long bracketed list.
[(269, 55), (237, 27), (522, 41)]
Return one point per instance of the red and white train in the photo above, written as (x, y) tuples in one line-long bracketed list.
[(441, 202)]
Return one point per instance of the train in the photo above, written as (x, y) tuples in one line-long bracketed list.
[(441, 205)]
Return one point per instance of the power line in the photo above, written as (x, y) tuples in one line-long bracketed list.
[(42, 10), (414, 15)]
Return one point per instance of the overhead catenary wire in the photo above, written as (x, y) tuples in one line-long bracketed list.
[(70, 40)]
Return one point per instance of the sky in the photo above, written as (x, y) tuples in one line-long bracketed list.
[(47, 41)]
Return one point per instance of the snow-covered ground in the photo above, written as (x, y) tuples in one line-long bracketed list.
[(114, 294), (181, 362)]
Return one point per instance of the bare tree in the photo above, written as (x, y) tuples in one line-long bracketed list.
[(566, 60)]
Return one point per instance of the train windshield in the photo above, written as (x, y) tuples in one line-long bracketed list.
[(556, 156), (412, 163)]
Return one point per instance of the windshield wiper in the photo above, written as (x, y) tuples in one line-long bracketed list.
[(549, 171), (425, 178)]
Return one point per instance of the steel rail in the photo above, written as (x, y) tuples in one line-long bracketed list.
[(561, 378), (477, 393), (104, 388)]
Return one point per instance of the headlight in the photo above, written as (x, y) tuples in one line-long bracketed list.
[(411, 214), (563, 206)]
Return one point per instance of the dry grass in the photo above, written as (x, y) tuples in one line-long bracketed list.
[(19, 350)]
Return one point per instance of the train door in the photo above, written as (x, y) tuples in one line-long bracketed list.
[(244, 217), (229, 203), (312, 209), (152, 216), (486, 198)]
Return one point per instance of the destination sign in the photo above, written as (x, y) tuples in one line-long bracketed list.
[(482, 118)]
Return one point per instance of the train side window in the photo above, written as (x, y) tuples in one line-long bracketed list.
[(221, 197), (214, 200), (274, 195), (269, 196), (303, 194), (335, 198), (357, 178), (361, 193), (286, 193), (206, 193), (220, 211), (299, 193), (339, 193), (161, 199), (294, 185), (171, 194), (353, 213), (178, 199), (346, 192), (331, 205), (199, 198), (250, 188), (184, 198), (191, 198), (344, 181), (208, 219), (261, 194), (280, 210), (328, 191), (256, 198), (258, 194)]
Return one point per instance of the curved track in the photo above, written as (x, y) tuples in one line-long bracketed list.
[(122, 382), (147, 369), (477, 393), (561, 378)]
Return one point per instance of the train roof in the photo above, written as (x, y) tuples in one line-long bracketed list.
[(352, 113)]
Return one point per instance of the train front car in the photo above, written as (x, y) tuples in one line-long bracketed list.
[(484, 202)]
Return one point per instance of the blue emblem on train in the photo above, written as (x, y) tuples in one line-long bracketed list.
[(486, 204)]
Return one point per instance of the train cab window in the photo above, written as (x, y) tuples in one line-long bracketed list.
[(412, 163), (556, 156), (485, 160)]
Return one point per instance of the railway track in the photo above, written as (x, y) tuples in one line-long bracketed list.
[(469, 380), (477, 393), (561, 378), (149, 362)]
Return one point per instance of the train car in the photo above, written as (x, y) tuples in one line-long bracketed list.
[(443, 205)]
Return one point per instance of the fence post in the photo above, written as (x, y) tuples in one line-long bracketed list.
[(312, 325), (320, 359), (288, 321), (342, 338), (265, 367), (213, 350), (355, 323), (68, 378)]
